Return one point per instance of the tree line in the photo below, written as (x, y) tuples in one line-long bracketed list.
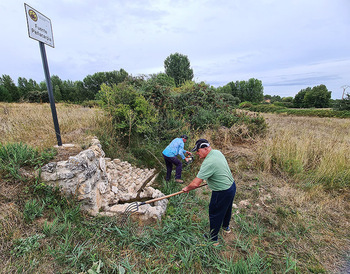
[(177, 71), (177, 67)]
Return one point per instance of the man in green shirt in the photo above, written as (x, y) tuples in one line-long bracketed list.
[(216, 171)]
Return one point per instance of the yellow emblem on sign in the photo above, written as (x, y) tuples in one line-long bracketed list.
[(32, 14)]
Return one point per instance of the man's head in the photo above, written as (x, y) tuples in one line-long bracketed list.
[(184, 137), (202, 148)]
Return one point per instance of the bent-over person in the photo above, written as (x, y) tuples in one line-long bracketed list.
[(216, 171)]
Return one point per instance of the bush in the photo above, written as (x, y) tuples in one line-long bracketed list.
[(203, 119), (312, 112), (132, 114), (343, 104), (284, 104), (229, 100), (265, 108), (90, 103), (245, 105), (37, 96)]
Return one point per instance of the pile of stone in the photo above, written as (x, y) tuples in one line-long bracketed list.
[(105, 186)]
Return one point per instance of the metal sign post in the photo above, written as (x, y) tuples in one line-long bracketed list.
[(40, 29)]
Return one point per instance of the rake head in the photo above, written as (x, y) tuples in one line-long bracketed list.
[(133, 207)]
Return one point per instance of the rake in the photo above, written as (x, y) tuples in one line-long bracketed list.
[(134, 207)]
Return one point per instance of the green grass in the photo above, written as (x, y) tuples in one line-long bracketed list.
[(13, 156), (69, 241), (49, 233)]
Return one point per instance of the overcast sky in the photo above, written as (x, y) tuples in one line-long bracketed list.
[(287, 44)]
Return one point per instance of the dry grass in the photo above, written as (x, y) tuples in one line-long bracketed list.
[(33, 124), (319, 219), (314, 148), (290, 179)]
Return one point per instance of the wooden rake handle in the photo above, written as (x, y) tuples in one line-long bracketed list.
[(168, 196)]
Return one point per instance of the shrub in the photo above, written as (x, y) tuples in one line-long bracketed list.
[(245, 105), (265, 108), (132, 114), (90, 103), (38, 96), (343, 104), (203, 119)]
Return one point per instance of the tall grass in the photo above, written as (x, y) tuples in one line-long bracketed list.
[(33, 124), (314, 151)]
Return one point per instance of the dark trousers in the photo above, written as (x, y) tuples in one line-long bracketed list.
[(220, 210), (169, 161)]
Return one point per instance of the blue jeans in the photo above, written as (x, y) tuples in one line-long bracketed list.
[(169, 161), (220, 210)]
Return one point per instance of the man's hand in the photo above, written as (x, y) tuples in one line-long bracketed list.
[(194, 184), (185, 189)]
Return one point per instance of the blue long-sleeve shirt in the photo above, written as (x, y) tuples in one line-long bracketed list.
[(176, 147)]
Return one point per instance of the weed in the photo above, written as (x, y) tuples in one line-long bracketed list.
[(290, 264), (282, 212), (96, 268), (32, 210), (50, 229), (13, 156), (24, 246)]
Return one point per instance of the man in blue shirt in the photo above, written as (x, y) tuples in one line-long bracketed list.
[(176, 147)]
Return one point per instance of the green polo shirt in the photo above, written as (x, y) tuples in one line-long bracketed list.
[(215, 171)]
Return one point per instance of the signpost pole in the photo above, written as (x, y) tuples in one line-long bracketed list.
[(40, 29), (50, 91)]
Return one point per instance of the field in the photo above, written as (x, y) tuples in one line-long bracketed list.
[(292, 215)]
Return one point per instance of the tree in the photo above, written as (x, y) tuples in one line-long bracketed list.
[(10, 86), (343, 104), (288, 99), (251, 90), (298, 100), (5, 95), (92, 83), (177, 66), (272, 98), (161, 79), (42, 86), (57, 93), (318, 97), (254, 91), (25, 86), (80, 91), (22, 85), (58, 89)]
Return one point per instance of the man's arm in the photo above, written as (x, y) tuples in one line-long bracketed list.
[(181, 149), (194, 184)]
